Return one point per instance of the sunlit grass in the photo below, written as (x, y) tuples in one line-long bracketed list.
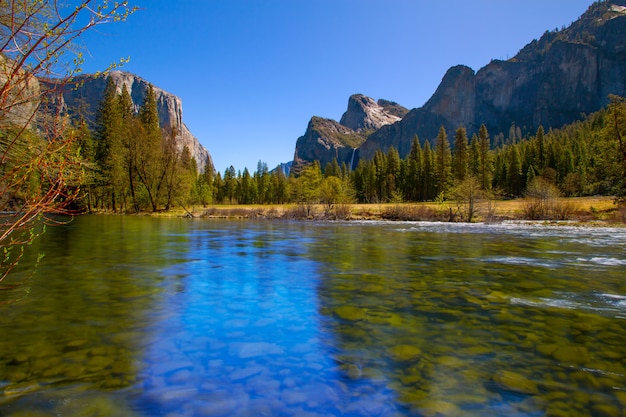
[(582, 209)]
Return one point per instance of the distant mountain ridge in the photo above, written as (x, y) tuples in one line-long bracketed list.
[(85, 92), (326, 139), (550, 82)]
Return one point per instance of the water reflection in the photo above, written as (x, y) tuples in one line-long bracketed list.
[(83, 321), (141, 316)]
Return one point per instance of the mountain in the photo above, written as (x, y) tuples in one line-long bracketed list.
[(327, 139), (550, 82), (84, 94)]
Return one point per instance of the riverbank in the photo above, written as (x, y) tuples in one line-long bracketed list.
[(586, 210)]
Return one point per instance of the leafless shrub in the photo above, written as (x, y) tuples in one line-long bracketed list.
[(343, 211), (620, 214), (564, 210), (403, 212), (298, 212), (542, 198)]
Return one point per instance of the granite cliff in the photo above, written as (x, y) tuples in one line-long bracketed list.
[(550, 82), (85, 93), (327, 139)]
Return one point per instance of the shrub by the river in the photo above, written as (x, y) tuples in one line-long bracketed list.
[(405, 212)]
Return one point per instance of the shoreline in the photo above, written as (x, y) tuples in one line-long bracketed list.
[(583, 211)]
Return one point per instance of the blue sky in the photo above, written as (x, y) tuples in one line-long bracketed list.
[(251, 73)]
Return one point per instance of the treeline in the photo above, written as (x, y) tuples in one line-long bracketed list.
[(133, 164), (581, 159), (584, 158), (137, 166)]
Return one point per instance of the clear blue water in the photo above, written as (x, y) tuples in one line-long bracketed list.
[(173, 317)]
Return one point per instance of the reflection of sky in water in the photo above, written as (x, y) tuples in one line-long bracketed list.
[(242, 320)]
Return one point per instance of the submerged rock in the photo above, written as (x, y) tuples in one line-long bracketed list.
[(404, 352), (572, 355), (351, 313), (512, 381)]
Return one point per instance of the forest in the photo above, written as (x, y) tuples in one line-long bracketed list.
[(128, 163), (132, 165)]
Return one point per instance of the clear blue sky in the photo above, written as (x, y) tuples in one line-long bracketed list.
[(251, 73)]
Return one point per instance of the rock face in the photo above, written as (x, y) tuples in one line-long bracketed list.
[(550, 82), (365, 114), (326, 139), (20, 102), (89, 90)]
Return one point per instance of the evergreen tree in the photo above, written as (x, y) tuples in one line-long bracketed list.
[(615, 133), (262, 181), (541, 149), (474, 157), (485, 167), (332, 169), (514, 174), (380, 169), (443, 162), (393, 178), (460, 157), (364, 179), (219, 189), (280, 186), (149, 155), (428, 173), (414, 172), (109, 154), (245, 188), (128, 128), (230, 184)]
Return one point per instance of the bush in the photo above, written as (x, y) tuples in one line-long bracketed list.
[(339, 212), (413, 213), (620, 213), (298, 212), (542, 197)]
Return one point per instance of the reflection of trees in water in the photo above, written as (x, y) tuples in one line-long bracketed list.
[(84, 319)]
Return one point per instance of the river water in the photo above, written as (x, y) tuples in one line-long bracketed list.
[(140, 316)]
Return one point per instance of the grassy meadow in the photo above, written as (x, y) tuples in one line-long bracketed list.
[(600, 210)]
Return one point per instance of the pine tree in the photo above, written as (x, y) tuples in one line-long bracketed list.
[(230, 184), (428, 173), (393, 179), (414, 172), (245, 188), (127, 129), (262, 180), (149, 145), (485, 168), (332, 169), (541, 149), (280, 186), (460, 163), (109, 152), (443, 162), (474, 157), (380, 165), (514, 174)]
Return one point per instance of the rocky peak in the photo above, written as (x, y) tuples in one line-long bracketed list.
[(393, 108), (85, 93), (325, 140), (455, 97), (365, 114)]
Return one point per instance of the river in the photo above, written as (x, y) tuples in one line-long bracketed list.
[(141, 316)]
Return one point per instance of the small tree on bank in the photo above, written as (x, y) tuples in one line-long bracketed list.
[(39, 170)]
